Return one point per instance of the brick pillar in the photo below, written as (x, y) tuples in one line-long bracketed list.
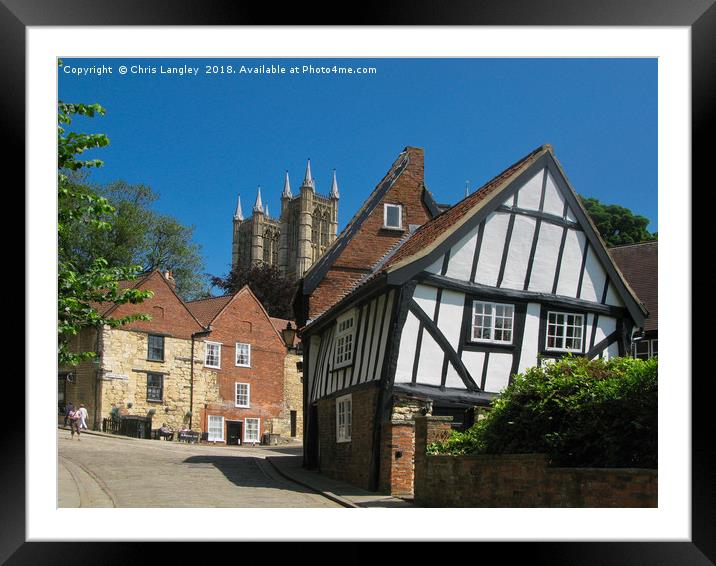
[(397, 458), (428, 429)]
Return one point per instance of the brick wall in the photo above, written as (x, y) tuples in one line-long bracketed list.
[(520, 480), (348, 461), (244, 320), (397, 452), (372, 241)]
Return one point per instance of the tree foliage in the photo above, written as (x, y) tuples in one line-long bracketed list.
[(581, 413), (616, 224), (81, 290), (266, 282), (138, 235)]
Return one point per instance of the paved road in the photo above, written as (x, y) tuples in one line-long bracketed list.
[(103, 471)]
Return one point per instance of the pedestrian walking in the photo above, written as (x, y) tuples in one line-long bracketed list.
[(74, 418), (83, 416), (68, 407)]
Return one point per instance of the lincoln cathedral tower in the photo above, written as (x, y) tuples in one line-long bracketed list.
[(297, 238)]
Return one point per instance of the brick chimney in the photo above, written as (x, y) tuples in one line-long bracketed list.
[(170, 279)]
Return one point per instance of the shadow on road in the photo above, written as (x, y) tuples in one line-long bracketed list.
[(245, 472)]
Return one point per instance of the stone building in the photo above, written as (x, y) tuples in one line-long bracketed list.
[(217, 366), (293, 241)]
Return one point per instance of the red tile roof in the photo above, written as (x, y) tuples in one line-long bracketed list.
[(205, 310), (433, 229), (279, 324), (639, 263)]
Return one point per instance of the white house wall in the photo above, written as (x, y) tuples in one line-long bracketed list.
[(370, 338)]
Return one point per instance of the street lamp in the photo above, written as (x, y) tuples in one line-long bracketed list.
[(289, 335)]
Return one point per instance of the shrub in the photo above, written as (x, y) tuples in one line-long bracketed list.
[(581, 413)]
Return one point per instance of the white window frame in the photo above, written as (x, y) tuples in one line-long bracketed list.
[(385, 216), (342, 357), (564, 332), (246, 430), (236, 356), (236, 394), (493, 318), (208, 428), (344, 418), (206, 354)]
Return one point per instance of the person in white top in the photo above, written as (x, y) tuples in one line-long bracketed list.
[(83, 416)]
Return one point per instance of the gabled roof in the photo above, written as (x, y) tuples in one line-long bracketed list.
[(430, 234), (640, 265), (206, 310), (105, 309), (442, 231), (319, 269)]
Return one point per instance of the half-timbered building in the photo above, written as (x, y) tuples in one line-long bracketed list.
[(512, 276)]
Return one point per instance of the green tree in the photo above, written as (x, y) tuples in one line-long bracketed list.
[(616, 224), (81, 290), (266, 282), (139, 235)]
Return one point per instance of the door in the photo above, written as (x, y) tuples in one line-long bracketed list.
[(61, 392), (233, 432), (293, 424)]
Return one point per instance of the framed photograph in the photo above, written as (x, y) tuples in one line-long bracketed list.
[(227, 113)]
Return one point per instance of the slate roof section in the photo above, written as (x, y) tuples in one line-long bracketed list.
[(639, 263)]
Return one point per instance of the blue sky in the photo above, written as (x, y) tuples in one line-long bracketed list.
[(201, 140)]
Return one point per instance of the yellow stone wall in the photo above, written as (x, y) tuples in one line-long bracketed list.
[(124, 378), (292, 398)]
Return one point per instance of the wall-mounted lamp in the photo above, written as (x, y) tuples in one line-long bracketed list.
[(289, 335)]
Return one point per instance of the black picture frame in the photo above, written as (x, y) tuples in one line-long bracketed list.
[(699, 15)]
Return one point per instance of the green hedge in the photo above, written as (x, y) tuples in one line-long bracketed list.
[(581, 413)]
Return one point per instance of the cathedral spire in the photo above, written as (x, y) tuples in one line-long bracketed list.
[(286, 188), (308, 179), (266, 210), (238, 215), (258, 206), (334, 187)]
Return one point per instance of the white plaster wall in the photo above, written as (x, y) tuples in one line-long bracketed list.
[(570, 215), (453, 379), (375, 330), (461, 255), (359, 340), (571, 265), (437, 266), (530, 338), (518, 254), (406, 353), (553, 199), (498, 372), (594, 278), (426, 297), (545, 260), (613, 297), (450, 316), (384, 336), (529, 195), (430, 365), (488, 266), (473, 362), (612, 351)]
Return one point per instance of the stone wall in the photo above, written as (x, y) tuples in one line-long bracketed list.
[(124, 379), (520, 480), (292, 397), (83, 387)]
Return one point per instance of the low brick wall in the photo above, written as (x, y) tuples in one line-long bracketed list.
[(520, 480)]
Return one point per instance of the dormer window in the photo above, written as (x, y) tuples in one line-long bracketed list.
[(393, 216)]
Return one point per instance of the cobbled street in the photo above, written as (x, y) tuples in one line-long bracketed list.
[(100, 471)]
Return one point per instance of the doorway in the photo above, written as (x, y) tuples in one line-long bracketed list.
[(293, 424), (233, 432)]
